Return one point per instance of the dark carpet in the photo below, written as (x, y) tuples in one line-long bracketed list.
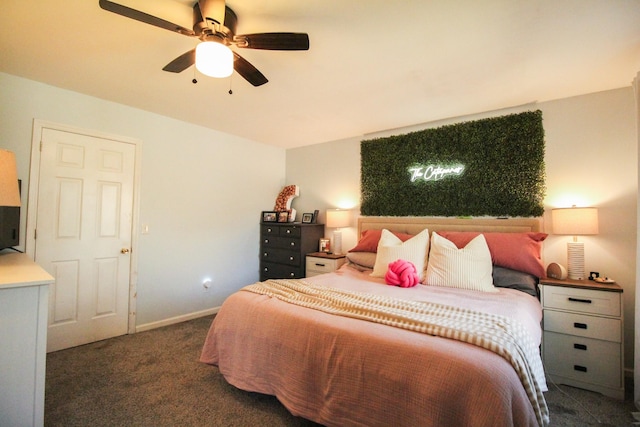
[(154, 379)]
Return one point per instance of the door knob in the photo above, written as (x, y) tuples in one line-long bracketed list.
[(124, 250)]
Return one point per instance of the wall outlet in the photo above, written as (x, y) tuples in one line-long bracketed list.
[(206, 284)]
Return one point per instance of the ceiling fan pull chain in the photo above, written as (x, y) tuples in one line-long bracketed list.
[(230, 83)]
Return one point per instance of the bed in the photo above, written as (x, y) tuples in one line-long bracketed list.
[(347, 349)]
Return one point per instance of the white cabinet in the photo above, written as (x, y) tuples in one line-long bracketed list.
[(24, 302), (583, 335)]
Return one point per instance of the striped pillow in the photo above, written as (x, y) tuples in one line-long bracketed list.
[(466, 268)]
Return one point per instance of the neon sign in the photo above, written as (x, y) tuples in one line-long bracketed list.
[(434, 172)]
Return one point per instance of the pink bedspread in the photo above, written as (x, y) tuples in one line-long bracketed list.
[(340, 371)]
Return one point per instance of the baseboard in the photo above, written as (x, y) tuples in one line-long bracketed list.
[(177, 319)]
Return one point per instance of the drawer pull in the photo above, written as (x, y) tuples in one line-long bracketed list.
[(579, 346), (579, 368), (319, 265), (266, 253), (586, 301), (291, 258), (288, 231), (580, 325), (266, 241), (269, 230), (293, 243), (292, 274)]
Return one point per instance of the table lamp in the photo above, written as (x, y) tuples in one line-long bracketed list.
[(576, 222), (338, 218)]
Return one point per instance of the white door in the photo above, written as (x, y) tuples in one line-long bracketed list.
[(83, 235)]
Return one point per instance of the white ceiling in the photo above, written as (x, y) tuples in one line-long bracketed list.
[(372, 64)]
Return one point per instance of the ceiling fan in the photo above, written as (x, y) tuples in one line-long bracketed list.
[(215, 24)]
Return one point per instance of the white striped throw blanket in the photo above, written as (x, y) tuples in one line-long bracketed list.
[(496, 333)]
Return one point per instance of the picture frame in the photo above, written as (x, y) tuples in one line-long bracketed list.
[(325, 246), (315, 216), (283, 216), (269, 216), (307, 218)]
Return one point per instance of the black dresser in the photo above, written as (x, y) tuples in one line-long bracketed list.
[(283, 247)]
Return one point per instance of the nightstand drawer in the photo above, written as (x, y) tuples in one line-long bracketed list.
[(602, 328), (583, 359), (582, 300), (322, 265)]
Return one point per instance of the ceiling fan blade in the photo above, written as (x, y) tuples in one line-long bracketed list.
[(144, 17), (273, 41), (212, 9), (182, 62), (248, 71)]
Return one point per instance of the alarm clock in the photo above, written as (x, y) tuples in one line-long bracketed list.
[(556, 271)]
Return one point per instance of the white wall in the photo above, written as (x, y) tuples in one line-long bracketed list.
[(201, 193), (591, 160)]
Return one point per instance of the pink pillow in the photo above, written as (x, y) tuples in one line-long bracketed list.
[(370, 239), (517, 251), (402, 273)]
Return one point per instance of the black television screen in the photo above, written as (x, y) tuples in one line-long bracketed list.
[(9, 226)]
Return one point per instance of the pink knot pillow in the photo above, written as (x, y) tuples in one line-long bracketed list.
[(402, 273)]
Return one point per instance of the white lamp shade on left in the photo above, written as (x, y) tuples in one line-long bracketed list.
[(214, 59), (9, 191), (338, 218)]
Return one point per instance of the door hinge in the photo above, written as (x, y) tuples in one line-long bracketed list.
[(40, 145), (35, 234)]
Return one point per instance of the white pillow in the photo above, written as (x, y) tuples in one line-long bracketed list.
[(391, 248), (466, 268)]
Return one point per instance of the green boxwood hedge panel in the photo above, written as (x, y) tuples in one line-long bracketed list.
[(503, 175)]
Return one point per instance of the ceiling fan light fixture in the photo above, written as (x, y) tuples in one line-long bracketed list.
[(214, 59)]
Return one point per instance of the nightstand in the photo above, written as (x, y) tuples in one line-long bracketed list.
[(321, 262), (582, 343)]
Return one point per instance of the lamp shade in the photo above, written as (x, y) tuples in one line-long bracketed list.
[(9, 191), (575, 221), (214, 59), (338, 218)]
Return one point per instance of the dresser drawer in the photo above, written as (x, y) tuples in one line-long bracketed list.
[(582, 300), (602, 328), (290, 231), (269, 270), (266, 230), (281, 256), (290, 243), (583, 359)]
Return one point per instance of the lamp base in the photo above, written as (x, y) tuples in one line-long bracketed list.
[(575, 260), (337, 242)]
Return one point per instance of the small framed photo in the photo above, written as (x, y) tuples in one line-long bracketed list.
[(269, 216), (325, 245), (307, 218), (283, 216)]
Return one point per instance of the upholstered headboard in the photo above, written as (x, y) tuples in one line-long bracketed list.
[(413, 225)]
